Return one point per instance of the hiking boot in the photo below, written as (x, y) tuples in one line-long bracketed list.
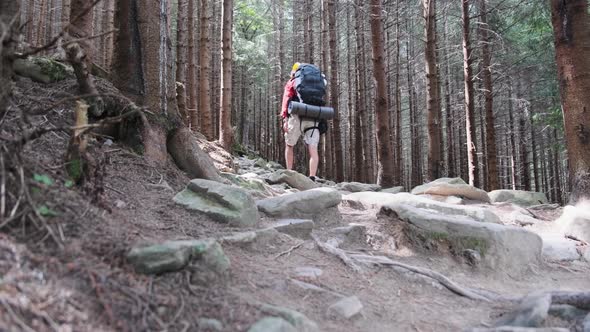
[(313, 178)]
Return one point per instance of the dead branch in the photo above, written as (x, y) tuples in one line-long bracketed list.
[(338, 253), (572, 237), (287, 252), (78, 40), (62, 33)]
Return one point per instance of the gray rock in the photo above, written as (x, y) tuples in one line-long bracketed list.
[(274, 165), (567, 312), (586, 324), (357, 186), (500, 246), (253, 185), (260, 163), (42, 70), (320, 205), (272, 324), (452, 187), (377, 200), (520, 329), (575, 220), (308, 272), (557, 248), (518, 197), (531, 312), (300, 228), (222, 203), (175, 255), (393, 190), (257, 240), (346, 308), (297, 319), (351, 235), (293, 179), (209, 324)]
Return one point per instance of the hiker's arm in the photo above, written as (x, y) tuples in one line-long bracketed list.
[(287, 95)]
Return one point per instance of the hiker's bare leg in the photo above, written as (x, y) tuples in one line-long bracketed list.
[(314, 160), (289, 156)]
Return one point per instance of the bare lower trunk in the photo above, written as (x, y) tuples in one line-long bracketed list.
[(225, 134), (334, 84), (9, 24), (204, 79), (469, 98)]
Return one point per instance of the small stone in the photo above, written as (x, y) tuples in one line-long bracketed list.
[(272, 324), (308, 272), (120, 204), (531, 312), (295, 318), (473, 257), (300, 228), (108, 142), (346, 308), (209, 324)]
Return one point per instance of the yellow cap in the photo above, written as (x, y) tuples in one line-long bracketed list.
[(295, 67)]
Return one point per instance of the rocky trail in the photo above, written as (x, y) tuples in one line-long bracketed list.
[(271, 250)]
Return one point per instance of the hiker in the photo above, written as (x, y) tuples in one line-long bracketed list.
[(294, 125)]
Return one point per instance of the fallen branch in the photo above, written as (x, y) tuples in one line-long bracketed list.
[(338, 253), (572, 237), (287, 252)]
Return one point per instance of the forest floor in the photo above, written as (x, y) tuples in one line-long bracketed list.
[(87, 285)]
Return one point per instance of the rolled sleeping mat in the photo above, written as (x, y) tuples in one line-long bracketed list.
[(311, 111)]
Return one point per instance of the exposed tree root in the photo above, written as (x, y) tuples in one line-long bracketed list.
[(354, 258), (579, 300)]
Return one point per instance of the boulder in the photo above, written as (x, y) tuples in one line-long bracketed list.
[(357, 186), (320, 205), (175, 255), (42, 70), (518, 197), (222, 203), (293, 179), (346, 308), (557, 248), (272, 324), (377, 200), (452, 187), (575, 220), (501, 247), (253, 185), (531, 311)]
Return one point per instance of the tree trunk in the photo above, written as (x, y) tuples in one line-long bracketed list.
[(365, 172), (571, 26), (335, 91), (510, 126), (192, 68), (204, 79), (181, 58), (432, 92), (385, 176), (525, 179), (469, 98), (492, 163), (225, 130), (9, 25)]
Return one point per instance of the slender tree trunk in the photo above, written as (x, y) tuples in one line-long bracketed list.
[(225, 134), (192, 67), (469, 98), (335, 89), (432, 89), (513, 167), (557, 172), (571, 26), (204, 79), (9, 26), (181, 57), (534, 151), (385, 176), (398, 165), (524, 163)]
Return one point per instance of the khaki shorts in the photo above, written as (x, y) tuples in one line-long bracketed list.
[(296, 128)]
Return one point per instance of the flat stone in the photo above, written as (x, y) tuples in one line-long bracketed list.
[(518, 197), (209, 324), (531, 312), (308, 272), (557, 248), (320, 205), (223, 203), (500, 246), (257, 240), (378, 200), (293, 179), (295, 318), (300, 228), (567, 312), (253, 185), (393, 190), (175, 255), (346, 308), (452, 187), (357, 186), (272, 324)]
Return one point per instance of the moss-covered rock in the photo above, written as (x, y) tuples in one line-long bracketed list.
[(42, 69)]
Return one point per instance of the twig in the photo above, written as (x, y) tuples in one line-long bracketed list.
[(572, 237), (288, 252), (115, 190), (22, 324), (55, 39), (73, 41)]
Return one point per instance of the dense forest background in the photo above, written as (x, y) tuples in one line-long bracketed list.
[(516, 130)]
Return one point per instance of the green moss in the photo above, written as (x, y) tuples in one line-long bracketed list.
[(439, 241), (74, 168), (56, 71)]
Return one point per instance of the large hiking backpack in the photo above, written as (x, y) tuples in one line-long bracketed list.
[(310, 85)]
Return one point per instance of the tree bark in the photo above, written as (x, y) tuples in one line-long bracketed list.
[(469, 97), (385, 176), (225, 134), (335, 91), (432, 92), (192, 83), (204, 79), (571, 26), (181, 57), (9, 25)]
